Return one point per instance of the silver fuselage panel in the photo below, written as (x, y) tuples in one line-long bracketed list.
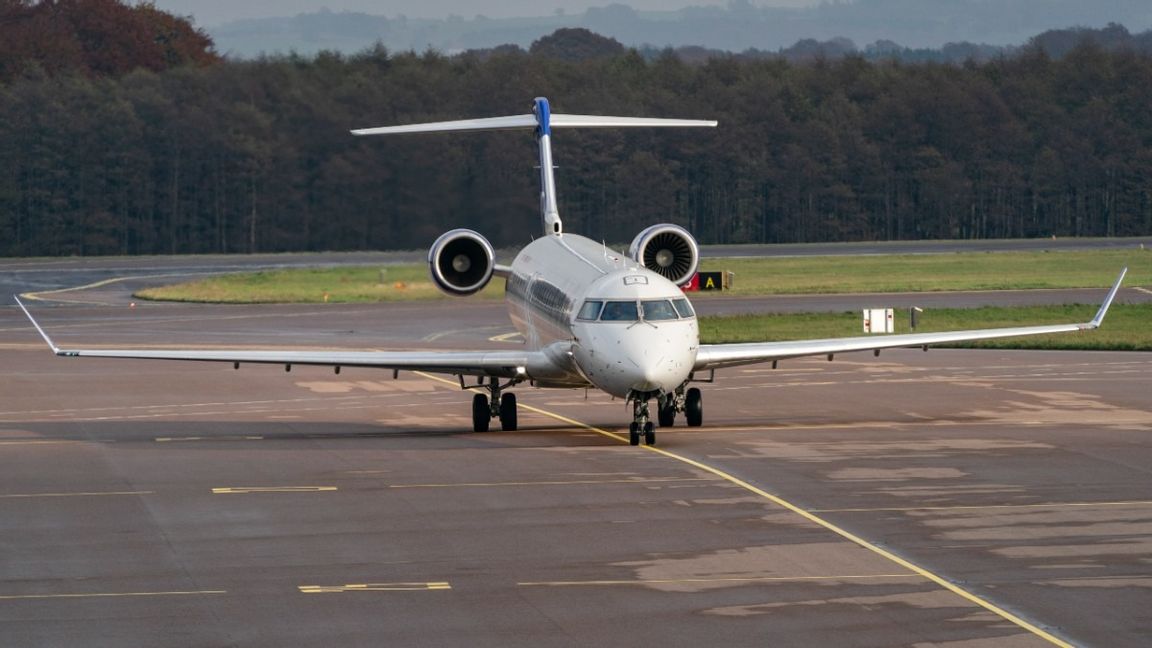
[(550, 281)]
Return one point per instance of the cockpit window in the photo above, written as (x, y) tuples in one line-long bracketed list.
[(683, 307), (590, 310), (620, 311), (658, 309)]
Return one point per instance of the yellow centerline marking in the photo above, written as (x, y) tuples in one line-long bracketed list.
[(504, 337), (747, 579), (374, 587), (93, 494), (17, 597), (272, 489), (844, 533), (982, 506), (196, 438), (653, 480)]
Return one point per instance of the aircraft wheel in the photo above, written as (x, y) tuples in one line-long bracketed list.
[(633, 434), (667, 415), (649, 433), (694, 408), (481, 414), (508, 412)]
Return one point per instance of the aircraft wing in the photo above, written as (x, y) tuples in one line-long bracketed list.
[(717, 356), (503, 364)]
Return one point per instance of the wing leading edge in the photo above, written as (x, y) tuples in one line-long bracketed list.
[(502, 364), (717, 356)]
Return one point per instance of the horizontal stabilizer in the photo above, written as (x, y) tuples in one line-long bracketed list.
[(527, 122)]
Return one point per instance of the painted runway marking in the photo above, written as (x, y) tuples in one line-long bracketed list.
[(240, 490), (582, 482), (899, 509), (196, 438), (18, 597), (16, 443), (374, 587), (844, 533), (749, 579), (1143, 290), (94, 494)]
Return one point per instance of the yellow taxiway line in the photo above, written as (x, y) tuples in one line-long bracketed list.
[(19, 597), (747, 579), (575, 482), (977, 507), (94, 494), (374, 587), (812, 517), (240, 490)]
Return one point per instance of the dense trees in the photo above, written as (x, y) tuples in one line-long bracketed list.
[(95, 37), (256, 155)]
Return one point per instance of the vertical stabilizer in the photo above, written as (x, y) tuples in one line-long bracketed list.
[(548, 209), (543, 121)]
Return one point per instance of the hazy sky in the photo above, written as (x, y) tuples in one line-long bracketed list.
[(214, 12)]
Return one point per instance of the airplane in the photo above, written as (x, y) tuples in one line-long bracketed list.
[(591, 317)]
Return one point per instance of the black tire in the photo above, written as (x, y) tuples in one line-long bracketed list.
[(633, 434), (508, 412), (694, 408), (666, 414), (481, 414), (649, 433)]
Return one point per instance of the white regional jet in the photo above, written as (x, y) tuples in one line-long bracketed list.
[(590, 317)]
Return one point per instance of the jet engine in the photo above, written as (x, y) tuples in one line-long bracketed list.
[(461, 262), (668, 250)]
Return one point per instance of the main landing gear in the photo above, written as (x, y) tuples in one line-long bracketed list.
[(684, 400), (494, 405), (689, 401)]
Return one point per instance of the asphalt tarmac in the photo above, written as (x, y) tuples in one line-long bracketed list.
[(966, 498)]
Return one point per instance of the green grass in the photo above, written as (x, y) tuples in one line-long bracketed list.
[(1128, 327), (934, 272), (755, 276), (312, 285)]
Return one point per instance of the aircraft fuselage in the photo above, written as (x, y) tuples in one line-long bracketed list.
[(606, 320)]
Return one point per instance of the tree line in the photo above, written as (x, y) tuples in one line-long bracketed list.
[(255, 156)]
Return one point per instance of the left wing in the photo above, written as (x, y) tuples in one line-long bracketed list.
[(502, 364), (716, 356)]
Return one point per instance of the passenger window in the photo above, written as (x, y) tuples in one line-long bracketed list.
[(658, 310), (590, 310), (683, 307), (620, 311)]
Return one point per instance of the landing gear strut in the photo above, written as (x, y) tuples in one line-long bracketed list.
[(640, 425), (494, 405)]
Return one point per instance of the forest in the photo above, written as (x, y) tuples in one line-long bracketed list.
[(207, 155)]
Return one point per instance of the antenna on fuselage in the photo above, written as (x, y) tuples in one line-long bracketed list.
[(543, 121)]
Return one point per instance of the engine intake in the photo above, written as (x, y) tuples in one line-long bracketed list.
[(461, 262), (668, 250)]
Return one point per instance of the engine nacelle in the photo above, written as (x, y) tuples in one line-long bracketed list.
[(461, 262), (668, 250)]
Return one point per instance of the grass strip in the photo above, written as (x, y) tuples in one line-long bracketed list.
[(757, 276), (1128, 327)]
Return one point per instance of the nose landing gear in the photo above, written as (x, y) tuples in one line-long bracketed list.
[(641, 425)]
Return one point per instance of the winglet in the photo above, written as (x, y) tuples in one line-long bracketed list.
[(55, 349), (1096, 321)]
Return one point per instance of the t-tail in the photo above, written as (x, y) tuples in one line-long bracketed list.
[(542, 120)]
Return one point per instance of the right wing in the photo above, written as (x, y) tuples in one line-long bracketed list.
[(717, 356), (502, 364)]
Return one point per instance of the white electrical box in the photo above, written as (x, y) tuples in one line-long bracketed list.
[(879, 320)]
